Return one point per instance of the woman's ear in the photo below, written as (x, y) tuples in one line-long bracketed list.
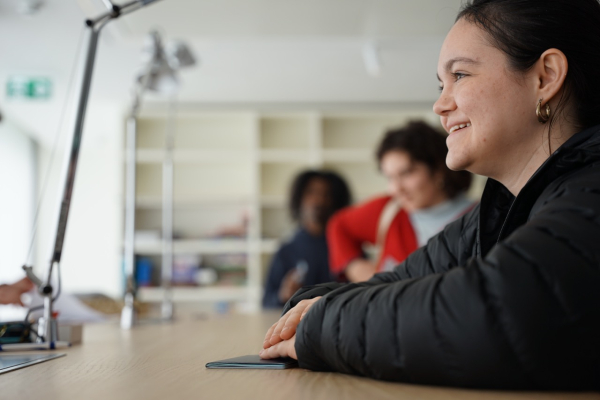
[(551, 70)]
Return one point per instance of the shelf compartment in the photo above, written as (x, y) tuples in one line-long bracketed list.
[(205, 221), (198, 131), (228, 180), (348, 155), (276, 223), (155, 202), (285, 132), (276, 178), (283, 156), (149, 156), (273, 201), (195, 246), (208, 293), (269, 246)]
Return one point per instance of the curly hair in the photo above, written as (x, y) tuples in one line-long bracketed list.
[(340, 192)]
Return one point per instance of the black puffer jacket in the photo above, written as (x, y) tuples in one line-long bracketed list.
[(506, 297)]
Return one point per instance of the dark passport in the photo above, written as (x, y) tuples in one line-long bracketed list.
[(255, 362)]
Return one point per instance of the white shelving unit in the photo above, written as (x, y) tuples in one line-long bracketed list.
[(229, 164)]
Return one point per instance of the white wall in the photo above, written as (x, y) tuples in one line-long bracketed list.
[(17, 188), (91, 255)]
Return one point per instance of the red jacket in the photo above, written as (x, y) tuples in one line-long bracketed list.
[(351, 227)]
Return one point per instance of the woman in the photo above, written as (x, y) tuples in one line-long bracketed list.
[(507, 296), (424, 196), (314, 197)]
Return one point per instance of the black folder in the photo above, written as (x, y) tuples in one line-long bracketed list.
[(255, 362)]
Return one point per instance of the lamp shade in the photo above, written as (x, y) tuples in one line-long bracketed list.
[(179, 55), (163, 62)]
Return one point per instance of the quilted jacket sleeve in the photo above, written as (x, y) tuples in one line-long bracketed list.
[(441, 253), (525, 316)]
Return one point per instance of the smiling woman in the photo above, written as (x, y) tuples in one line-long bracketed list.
[(483, 93), (507, 296)]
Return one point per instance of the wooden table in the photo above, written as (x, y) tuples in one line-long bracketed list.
[(167, 362)]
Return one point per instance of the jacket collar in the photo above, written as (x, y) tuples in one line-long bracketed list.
[(498, 204)]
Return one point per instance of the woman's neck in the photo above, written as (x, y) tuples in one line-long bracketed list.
[(518, 174)]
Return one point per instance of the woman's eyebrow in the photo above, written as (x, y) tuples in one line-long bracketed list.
[(450, 63)]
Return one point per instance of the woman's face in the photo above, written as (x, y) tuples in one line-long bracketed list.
[(488, 110), (411, 182)]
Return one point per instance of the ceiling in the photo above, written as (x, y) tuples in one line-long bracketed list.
[(251, 51), (293, 18)]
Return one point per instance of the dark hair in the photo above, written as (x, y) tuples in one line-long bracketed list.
[(524, 29), (425, 144), (340, 193)]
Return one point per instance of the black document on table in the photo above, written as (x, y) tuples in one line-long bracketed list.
[(254, 362)]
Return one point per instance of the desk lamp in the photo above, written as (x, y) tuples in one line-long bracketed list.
[(160, 75), (47, 328)]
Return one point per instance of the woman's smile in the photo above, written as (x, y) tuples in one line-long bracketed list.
[(459, 127)]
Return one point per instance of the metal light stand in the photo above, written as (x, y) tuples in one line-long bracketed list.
[(128, 314), (167, 308), (47, 329)]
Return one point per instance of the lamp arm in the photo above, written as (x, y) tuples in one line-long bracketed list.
[(46, 327), (95, 27)]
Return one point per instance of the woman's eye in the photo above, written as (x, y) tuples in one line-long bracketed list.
[(458, 76), (441, 89)]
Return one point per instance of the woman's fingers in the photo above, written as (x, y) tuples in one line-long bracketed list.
[(273, 334), (267, 343), (282, 349), (276, 334), (286, 328), (273, 351)]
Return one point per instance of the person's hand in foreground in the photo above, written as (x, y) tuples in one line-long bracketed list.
[(282, 349), (285, 328), (11, 294)]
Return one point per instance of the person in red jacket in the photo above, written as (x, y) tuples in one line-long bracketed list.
[(423, 196)]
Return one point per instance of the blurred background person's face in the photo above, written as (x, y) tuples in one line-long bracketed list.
[(316, 205), (410, 182)]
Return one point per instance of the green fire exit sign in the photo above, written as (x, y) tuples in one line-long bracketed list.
[(28, 87)]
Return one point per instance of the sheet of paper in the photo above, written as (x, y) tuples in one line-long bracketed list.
[(70, 309)]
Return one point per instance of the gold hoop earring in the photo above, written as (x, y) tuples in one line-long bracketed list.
[(540, 115)]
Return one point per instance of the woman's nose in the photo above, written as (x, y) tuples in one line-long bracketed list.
[(444, 104)]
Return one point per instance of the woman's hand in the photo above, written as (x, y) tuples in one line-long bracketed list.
[(283, 349), (285, 328)]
